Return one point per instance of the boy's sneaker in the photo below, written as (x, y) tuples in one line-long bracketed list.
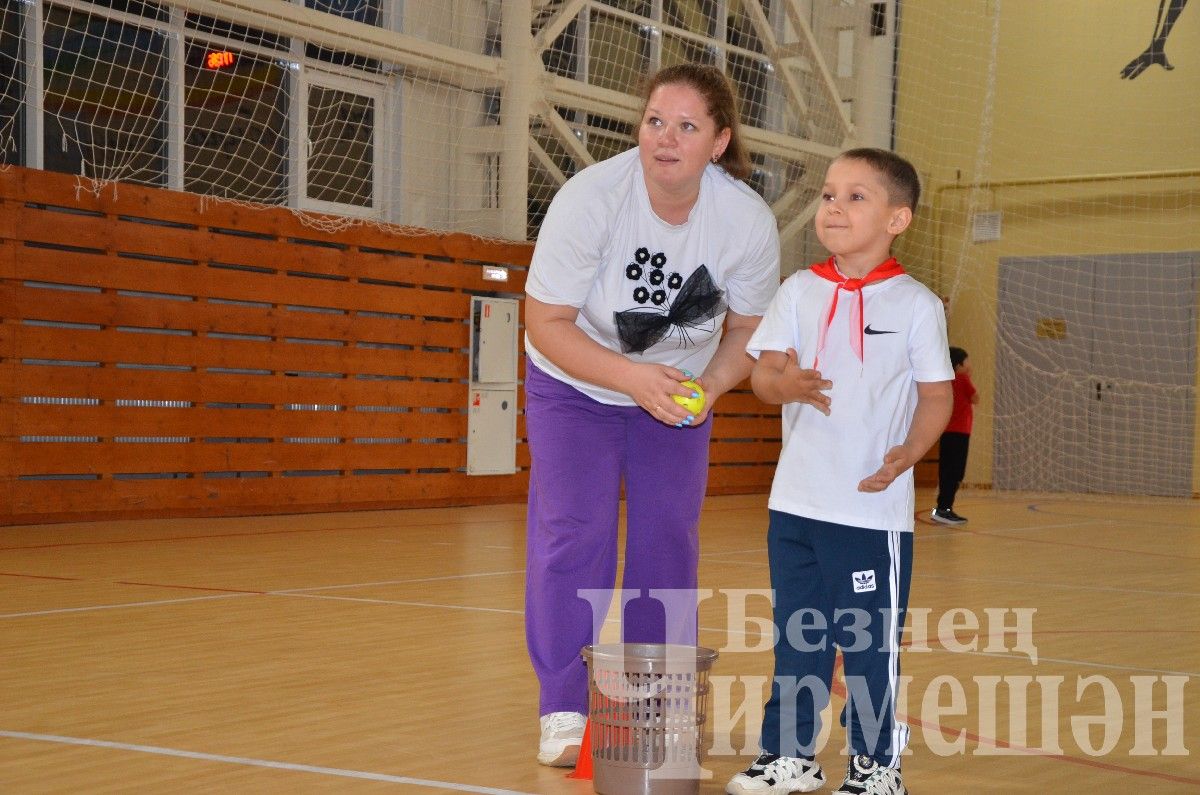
[(562, 734), (865, 776), (947, 516), (777, 775)]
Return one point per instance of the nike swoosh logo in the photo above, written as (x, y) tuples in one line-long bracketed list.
[(869, 330)]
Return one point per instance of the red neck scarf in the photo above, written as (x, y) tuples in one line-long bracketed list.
[(828, 270)]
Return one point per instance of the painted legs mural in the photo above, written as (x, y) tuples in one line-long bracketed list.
[(1168, 12)]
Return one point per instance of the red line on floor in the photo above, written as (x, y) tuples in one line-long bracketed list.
[(839, 689), (1075, 760), (1088, 547), (39, 576)]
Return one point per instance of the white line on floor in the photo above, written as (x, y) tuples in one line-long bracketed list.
[(241, 760)]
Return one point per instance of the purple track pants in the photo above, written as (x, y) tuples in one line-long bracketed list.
[(581, 452)]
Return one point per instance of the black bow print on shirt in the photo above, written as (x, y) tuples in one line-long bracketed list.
[(698, 301)]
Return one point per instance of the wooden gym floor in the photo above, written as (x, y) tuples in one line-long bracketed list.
[(384, 652)]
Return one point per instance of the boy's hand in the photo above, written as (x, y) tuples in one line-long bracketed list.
[(803, 385), (934, 401), (895, 462)]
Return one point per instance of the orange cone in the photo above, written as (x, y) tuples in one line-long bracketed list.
[(583, 765)]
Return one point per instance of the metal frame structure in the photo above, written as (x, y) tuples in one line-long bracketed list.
[(532, 93)]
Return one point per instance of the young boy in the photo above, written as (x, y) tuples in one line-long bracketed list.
[(855, 350), (956, 440)]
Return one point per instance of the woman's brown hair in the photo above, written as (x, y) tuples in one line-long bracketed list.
[(721, 101)]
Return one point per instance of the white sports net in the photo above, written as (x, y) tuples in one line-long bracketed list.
[(460, 116), (1058, 152), (1062, 173)]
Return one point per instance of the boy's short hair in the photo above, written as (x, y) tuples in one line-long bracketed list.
[(899, 175), (957, 356)]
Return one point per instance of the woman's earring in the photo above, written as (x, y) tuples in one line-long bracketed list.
[(715, 158)]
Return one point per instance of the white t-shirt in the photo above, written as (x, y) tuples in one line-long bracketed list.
[(871, 403), (644, 287)]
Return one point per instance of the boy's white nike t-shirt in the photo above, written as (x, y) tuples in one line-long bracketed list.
[(871, 402)]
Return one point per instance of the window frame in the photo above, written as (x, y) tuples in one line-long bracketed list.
[(303, 73), (305, 80)]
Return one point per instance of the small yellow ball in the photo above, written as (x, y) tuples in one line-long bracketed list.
[(693, 404)]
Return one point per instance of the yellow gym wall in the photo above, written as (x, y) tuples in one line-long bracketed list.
[(1077, 159)]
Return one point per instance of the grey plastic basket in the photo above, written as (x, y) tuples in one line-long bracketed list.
[(647, 703)]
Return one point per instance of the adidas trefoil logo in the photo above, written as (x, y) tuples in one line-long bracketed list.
[(863, 581)]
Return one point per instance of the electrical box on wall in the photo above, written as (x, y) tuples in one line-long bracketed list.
[(494, 340), (492, 432), (492, 397)]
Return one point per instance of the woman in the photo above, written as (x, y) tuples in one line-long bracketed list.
[(651, 268)]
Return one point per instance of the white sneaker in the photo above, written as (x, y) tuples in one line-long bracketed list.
[(562, 734), (777, 775), (865, 776)]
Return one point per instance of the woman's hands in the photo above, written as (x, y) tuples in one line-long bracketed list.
[(553, 331), (652, 385)]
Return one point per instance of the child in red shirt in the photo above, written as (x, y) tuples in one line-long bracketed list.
[(952, 450)]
